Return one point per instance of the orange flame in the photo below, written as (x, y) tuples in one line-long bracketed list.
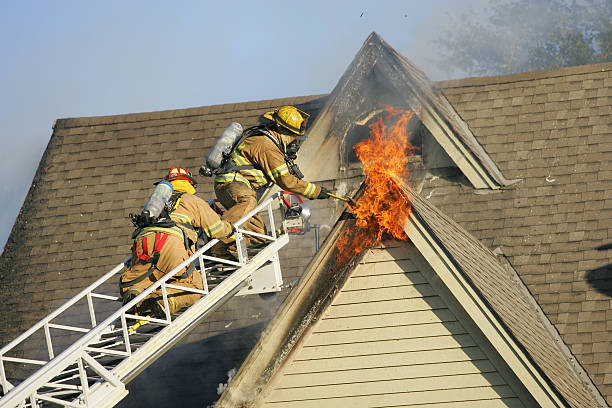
[(382, 208)]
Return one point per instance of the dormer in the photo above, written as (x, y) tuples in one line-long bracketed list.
[(380, 76)]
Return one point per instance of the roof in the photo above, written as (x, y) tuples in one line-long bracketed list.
[(510, 301), (495, 284), (550, 129), (74, 226)]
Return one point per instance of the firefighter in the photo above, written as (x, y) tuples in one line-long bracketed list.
[(264, 155), (160, 247)]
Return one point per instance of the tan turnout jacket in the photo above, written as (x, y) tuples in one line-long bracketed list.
[(269, 164), (193, 210), (190, 209)]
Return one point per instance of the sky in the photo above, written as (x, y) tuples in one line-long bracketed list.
[(64, 59)]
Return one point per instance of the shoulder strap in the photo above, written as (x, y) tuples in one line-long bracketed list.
[(264, 131), (260, 130), (174, 200), (228, 166)]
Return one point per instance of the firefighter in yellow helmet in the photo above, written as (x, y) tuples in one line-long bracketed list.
[(159, 246), (264, 155)]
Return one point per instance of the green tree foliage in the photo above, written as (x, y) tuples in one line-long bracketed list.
[(528, 35)]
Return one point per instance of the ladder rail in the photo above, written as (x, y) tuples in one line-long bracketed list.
[(18, 340), (18, 395)]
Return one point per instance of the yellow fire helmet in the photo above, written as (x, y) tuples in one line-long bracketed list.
[(289, 117)]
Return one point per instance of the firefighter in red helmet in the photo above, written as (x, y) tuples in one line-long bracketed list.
[(160, 247)]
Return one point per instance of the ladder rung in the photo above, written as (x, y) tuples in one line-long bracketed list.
[(105, 351), (58, 401), (66, 375), (148, 319), (65, 378), (201, 292), (109, 347), (118, 342), (255, 234), (23, 360), (104, 343), (107, 297), (109, 361), (144, 331), (64, 394), (71, 328), (63, 386), (220, 261)]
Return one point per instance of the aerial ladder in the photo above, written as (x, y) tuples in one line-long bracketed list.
[(111, 350)]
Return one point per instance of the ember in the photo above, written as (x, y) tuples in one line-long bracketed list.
[(382, 207)]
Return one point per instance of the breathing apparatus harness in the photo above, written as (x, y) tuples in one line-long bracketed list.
[(163, 221), (290, 154)]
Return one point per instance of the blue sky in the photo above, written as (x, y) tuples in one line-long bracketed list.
[(82, 58)]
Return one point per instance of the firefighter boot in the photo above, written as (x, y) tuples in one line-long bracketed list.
[(130, 294), (152, 307)]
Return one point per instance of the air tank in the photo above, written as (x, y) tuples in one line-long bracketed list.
[(224, 145), (157, 200)]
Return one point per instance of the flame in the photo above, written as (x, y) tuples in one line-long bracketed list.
[(382, 208)]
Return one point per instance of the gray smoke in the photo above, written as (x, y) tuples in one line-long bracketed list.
[(222, 386)]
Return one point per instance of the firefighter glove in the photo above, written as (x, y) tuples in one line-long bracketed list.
[(323, 194)]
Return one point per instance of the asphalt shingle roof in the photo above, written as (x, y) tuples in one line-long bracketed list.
[(552, 130), (512, 303)]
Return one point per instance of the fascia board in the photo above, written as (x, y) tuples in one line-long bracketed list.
[(458, 153), (481, 314)]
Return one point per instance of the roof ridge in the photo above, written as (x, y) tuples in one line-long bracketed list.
[(71, 122), (523, 76)]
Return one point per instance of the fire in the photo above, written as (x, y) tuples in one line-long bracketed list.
[(382, 207)]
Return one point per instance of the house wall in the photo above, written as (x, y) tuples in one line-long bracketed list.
[(390, 338)]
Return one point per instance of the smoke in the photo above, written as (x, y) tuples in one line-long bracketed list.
[(522, 35), (222, 386)]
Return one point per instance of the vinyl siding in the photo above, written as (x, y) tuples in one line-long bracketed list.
[(389, 339)]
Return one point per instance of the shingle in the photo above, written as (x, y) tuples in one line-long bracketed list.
[(96, 155)]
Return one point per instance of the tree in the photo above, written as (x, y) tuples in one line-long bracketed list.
[(528, 35)]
